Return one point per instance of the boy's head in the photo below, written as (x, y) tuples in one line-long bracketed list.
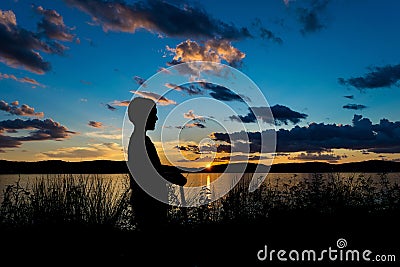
[(143, 112)]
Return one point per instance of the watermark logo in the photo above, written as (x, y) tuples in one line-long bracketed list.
[(230, 100), (338, 253), (341, 243)]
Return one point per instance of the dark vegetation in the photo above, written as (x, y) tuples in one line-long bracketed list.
[(78, 218)]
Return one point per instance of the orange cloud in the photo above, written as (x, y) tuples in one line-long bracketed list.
[(190, 115), (21, 80), (213, 50), (123, 103), (111, 151), (159, 99), (24, 110), (95, 124)]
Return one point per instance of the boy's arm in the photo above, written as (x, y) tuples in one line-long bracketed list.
[(175, 178), (172, 175)]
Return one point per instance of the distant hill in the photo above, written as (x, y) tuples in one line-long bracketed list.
[(110, 167), (362, 166), (59, 166), (313, 167)]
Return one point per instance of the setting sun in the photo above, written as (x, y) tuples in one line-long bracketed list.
[(208, 166)]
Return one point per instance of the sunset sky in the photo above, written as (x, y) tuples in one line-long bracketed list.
[(329, 71)]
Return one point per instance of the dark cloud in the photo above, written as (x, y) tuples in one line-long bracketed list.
[(192, 125), (195, 124), (220, 148), (188, 158), (191, 89), (281, 114), (378, 77), (281, 154), (52, 25), (190, 148), (269, 35), (249, 118), (40, 130), (349, 96), (263, 113), (23, 110), (8, 142), (238, 158), (220, 92), (266, 33), (237, 141), (139, 80), (394, 149), (311, 17), (354, 106), (19, 47), (316, 156), (217, 91), (45, 129), (383, 137), (95, 124), (158, 17), (110, 107)]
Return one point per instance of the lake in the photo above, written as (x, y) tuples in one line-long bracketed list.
[(207, 180)]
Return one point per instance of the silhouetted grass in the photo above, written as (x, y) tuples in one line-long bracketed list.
[(93, 215), (331, 194), (64, 199), (93, 200)]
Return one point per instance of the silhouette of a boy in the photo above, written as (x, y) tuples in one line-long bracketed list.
[(149, 212)]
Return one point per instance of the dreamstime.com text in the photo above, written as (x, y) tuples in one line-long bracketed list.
[(338, 253)]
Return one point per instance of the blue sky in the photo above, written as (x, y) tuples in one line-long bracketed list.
[(294, 51)]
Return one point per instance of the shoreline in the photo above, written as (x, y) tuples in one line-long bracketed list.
[(120, 167)]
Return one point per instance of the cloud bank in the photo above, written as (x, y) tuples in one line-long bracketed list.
[(378, 77), (383, 137), (19, 48), (158, 17), (281, 114), (354, 106), (52, 25), (40, 130), (23, 110)]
